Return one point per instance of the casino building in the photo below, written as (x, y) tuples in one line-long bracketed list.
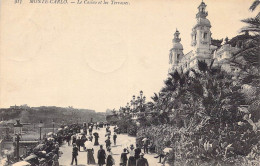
[(202, 47)]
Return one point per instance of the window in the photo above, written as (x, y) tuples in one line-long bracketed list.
[(205, 35)]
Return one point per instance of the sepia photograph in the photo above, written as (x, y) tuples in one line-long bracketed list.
[(129, 82)]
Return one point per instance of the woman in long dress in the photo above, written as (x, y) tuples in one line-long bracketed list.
[(90, 156), (90, 152), (131, 160), (96, 139), (110, 159)]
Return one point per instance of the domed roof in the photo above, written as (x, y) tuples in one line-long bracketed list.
[(177, 46), (176, 41), (203, 22)]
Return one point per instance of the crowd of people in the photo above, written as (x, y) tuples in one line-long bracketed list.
[(129, 157), (84, 138)]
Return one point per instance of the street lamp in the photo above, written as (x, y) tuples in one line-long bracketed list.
[(18, 127), (53, 123), (17, 139), (133, 101), (18, 131), (40, 126)]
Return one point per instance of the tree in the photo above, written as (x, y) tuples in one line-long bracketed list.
[(253, 23)]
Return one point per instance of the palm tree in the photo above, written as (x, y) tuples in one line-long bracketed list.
[(254, 5), (253, 23)]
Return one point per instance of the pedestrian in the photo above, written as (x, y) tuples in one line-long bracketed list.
[(101, 156), (114, 138), (90, 152), (146, 143), (90, 137), (74, 139), (78, 142), (68, 138), (90, 129), (74, 154), (123, 159), (110, 159), (96, 139), (108, 142), (142, 161), (83, 140), (132, 160), (137, 152)]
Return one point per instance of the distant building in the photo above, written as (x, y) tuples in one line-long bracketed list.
[(15, 107), (202, 47)]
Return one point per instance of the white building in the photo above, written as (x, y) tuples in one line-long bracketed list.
[(202, 49)]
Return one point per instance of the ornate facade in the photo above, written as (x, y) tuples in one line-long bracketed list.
[(202, 48)]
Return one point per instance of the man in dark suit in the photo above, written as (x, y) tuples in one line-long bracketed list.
[(142, 161), (101, 156), (74, 154)]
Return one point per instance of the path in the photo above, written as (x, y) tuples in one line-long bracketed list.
[(123, 141)]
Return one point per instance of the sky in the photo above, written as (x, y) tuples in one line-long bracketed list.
[(98, 56)]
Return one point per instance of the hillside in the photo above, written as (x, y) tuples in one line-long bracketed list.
[(47, 114)]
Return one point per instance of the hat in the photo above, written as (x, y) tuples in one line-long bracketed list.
[(141, 154)]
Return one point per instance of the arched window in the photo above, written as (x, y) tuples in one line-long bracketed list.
[(178, 57), (205, 35)]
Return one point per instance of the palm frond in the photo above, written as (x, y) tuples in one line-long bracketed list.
[(253, 25), (254, 5)]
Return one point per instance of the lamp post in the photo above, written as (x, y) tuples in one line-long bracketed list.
[(141, 100), (40, 126), (18, 131), (53, 123), (133, 101), (18, 127), (17, 139)]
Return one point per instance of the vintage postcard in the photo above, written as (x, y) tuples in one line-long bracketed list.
[(129, 82)]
